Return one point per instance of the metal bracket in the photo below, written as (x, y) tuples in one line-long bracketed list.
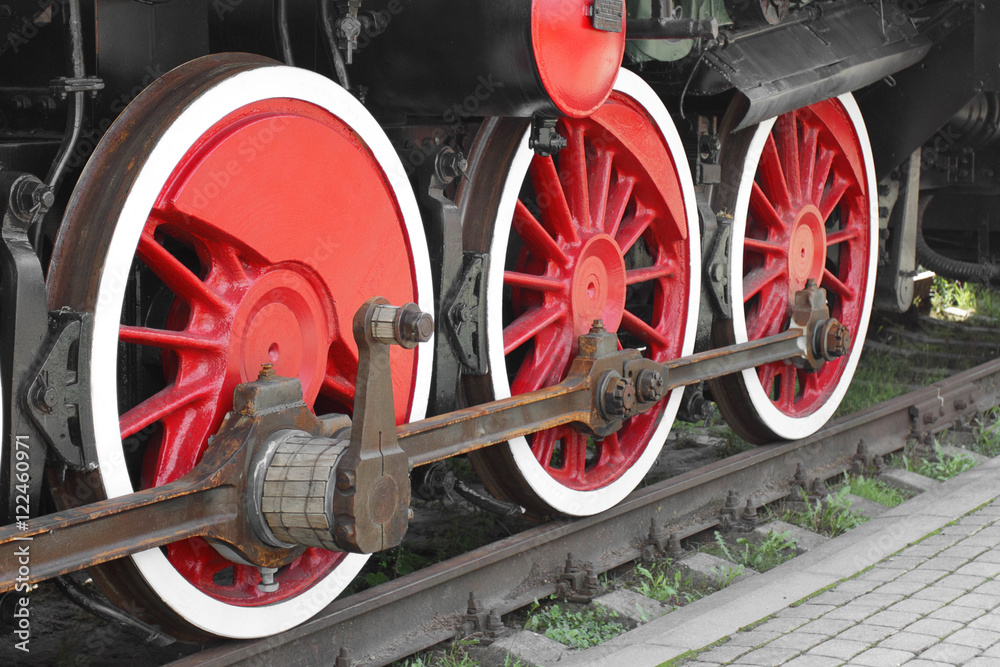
[(545, 139), (57, 398), (467, 314), (939, 413), (717, 264)]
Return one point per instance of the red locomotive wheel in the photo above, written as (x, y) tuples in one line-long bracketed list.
[(803, 194), (251, 209), (604, 230)]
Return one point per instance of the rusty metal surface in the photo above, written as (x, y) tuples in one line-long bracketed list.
[(425, 607)]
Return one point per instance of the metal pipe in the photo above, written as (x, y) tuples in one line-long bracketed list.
[(670, 28), (330, 30), (284, 35)]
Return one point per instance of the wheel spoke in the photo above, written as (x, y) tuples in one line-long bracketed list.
[(164, 402), (536, 237), (833, 196), (611, 453), (600, 189), (542, 445), (527, 326), (532, 281), (632, 230), (788, 132), (762, 209), (662, 270), (573, 174), (810, 142), (821, 175), (760, 278), (536, 371), (834, 284), (774, 175), (786, 394), (765, 247), (574, 454), (770, 316), (177, 277), (638, 327), (617, 203), (171, 340), (339, 389), (843, 236), (767, 373), (549, 191)]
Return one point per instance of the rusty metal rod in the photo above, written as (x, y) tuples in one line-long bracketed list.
[(68, 541), (712, 364)]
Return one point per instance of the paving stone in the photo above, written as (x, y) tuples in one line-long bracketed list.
[(980, 569), (753, 638), (979, 540), (836, 597), (827, 626), (990, 621), (993, 652), (953, 613), (902, 562), (916, 606), (809, 611), (922, 576), (962, 551), (905, 480), (632, 605), (975, 637), (769, 656), (939, 540), (781, 625), (701, 663), (860, 586), (936, 627), (898, 587), (952, 654), (989, 588), (852, 612), (935, 592), (909, 641), (798, 640), (926, 663), (869, 634), (865, 507), (991, 556), (838, 648), (942, 563), (813, 661), (977, 600), (879, 600), (961, 528), (724, 653), (923, 550), (964, 581), (879, 574), (982, 662), (892, 619), (882, 657)]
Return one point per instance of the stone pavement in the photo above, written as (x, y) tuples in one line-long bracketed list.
[(916, 586), (936, 603)]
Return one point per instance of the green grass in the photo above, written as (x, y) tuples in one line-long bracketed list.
[(578, 629), (830, 516), (662, 582), (879, 377), (874, 490), (987, 434), (456, 655), (762, 556), (944, 468), (977, 299)]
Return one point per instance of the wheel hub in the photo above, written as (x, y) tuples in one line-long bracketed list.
[(807, 249), (282, 321), (598, 287)]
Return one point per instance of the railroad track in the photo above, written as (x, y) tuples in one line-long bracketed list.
[(459, 595)]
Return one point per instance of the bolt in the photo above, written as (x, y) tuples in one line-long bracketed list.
[(27, 195), (346, 480), (750, 511), (450, 165), (597, 327), (266, 372), (415, 326), (45, 399), (649, 385), (961, 404), (267, 583), (345, 533), (618, 397)]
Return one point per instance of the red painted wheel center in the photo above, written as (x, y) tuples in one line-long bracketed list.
[(807, 249), (598, 290), (282, 320)]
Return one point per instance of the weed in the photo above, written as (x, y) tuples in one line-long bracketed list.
[(879, 377), (662, 582), (942, 469), (394, 563), (731, 444), (830, 516), (987, 434), (726, 574), (774, 550), (970, 297), (454, 656), (874, 490), (578, 629)]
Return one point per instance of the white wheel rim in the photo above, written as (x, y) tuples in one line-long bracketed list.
[(783, 425), (556, 495), (196, 607)]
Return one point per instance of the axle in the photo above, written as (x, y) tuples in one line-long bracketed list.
[(276, 479)]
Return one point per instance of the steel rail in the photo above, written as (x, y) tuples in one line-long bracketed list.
[(416, 611)]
